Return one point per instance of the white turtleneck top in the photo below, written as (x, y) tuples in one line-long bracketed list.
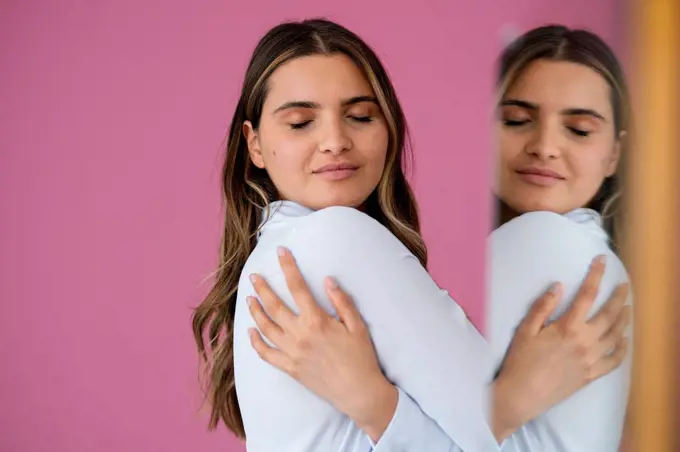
[(426, 346)]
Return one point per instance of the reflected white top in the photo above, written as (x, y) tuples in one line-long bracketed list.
[(423, 339), (526, 255)]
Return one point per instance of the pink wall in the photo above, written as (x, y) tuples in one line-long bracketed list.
[(111, 120)]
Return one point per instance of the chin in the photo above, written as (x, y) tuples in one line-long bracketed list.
[(539, 206), (525, 203), (535, 207), (337, 201)]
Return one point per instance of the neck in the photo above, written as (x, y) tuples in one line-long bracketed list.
[(361, 208)]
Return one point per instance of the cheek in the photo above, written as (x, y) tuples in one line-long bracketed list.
[(286, 155), (380, 148), (590, 172), (509, 146), (373, 144)]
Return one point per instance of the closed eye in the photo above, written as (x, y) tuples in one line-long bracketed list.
[(362, 118), (515, 123), (300, 125), (579, 132)]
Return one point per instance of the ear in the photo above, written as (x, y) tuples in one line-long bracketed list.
[(613, 163), (253, 142)]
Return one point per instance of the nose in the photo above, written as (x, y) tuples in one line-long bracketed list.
[(545, 142), (335, 137)]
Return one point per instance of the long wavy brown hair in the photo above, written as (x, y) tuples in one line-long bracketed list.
[(247, 190), (559, 43)]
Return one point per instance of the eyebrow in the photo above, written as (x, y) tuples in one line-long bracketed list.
[(565, 112), (315, 105)]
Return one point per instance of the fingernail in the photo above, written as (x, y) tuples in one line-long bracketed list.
[(253, 278), (249, 300), (331, 283), (555, 288), (601, 259), (282, 251)]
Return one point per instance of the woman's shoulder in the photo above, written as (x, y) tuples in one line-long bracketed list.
[(548, 222), (551, 239), (340, 223), (535, 250), (555, 229), (345, 230)]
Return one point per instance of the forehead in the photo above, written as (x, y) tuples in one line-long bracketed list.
[(326, 79), (559, 85)]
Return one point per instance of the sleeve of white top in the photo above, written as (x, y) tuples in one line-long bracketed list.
[(411, 430), (424, 341), (527, 255)]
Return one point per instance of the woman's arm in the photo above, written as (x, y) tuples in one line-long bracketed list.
[(527, 254), (335, 359), (423, 365), (422, 338)]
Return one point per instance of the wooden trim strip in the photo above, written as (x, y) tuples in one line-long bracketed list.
[(654, 195)]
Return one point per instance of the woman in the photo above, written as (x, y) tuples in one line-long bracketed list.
[(563, 118), (314, 164)]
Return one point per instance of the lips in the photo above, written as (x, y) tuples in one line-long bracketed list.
[(540, 172), (336, 171), (336, 167), (539, 177)]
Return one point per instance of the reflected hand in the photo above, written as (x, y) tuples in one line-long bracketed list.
[(546, 363)]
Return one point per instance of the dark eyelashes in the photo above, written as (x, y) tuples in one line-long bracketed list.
[(574, 130), (300, 125), (579, 132), (513, 123), (362, 118), (303, 124)]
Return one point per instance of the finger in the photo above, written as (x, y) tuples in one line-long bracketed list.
[(296, 284), (611, 311), (344, 307), (269, 354), (606, 344), (611, 362), (541, 310), (587, 293), (264, 323), (271, 302)]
